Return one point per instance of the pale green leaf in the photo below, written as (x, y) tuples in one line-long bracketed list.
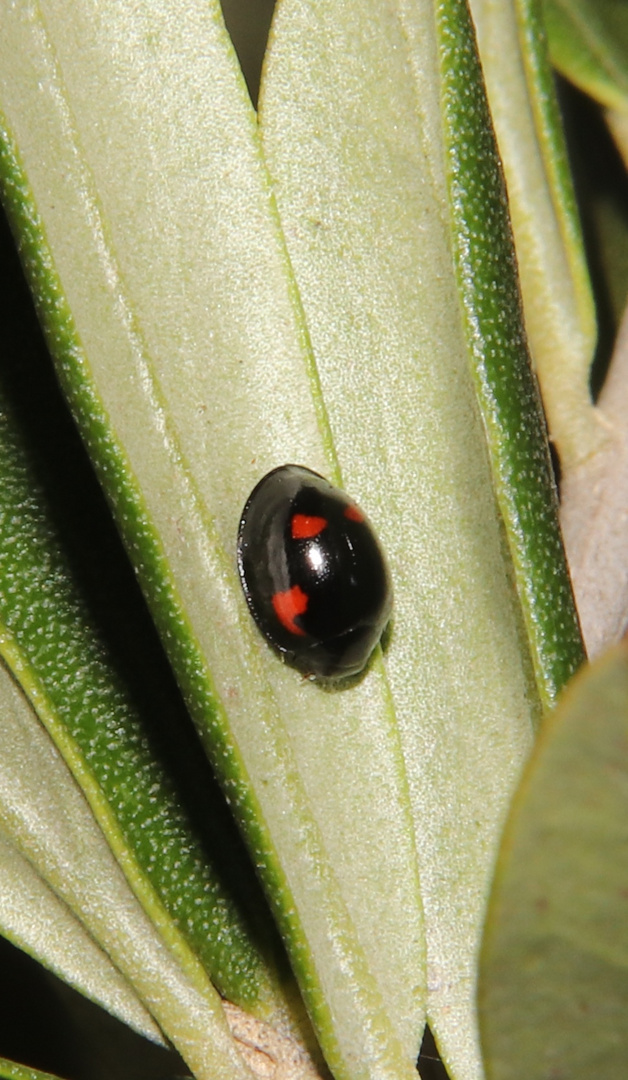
[(135, 180), (557, 299), (11, 1070), (554, 989), (351, 112), (47, 820), (120, 744), (588, 42), (148, 232), (589, 45), (34, 918)]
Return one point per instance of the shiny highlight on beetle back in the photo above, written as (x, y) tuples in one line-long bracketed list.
[(313, 573)]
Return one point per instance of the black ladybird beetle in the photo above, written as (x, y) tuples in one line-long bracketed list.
[(313, 572)]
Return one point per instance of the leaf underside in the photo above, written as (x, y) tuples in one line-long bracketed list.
[(203, 335)]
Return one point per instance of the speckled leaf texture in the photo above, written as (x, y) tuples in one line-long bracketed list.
[(10, 1070), (331, 283), (190, 372), (554, 989), (47, 820), (120, 743), (557, 298), (111, 707), (376, 132)]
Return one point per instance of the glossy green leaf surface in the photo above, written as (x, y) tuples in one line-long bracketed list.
[(589, 45), (554, 989), (557, 299), (47, 820), (361, 111), (169, 304)]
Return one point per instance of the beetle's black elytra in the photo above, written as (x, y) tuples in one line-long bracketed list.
[(313, 572)]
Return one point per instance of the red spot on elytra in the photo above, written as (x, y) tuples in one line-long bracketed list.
[(305, 526), (353, 513), (288, 605)]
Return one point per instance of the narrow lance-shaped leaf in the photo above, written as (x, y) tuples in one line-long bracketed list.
[(588, 42), (169, 304), (115, 738), (49, 822), (377, 135), (558, 304), (11, 1070), (507, 393), (34, 919)]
